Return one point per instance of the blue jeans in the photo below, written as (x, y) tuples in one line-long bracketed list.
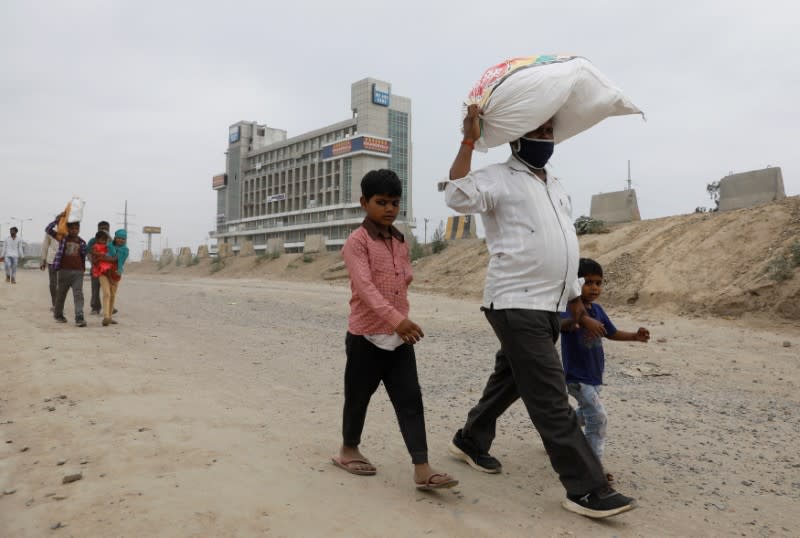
[(11, 266), (591, 414)]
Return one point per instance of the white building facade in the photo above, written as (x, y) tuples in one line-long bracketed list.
[(276, 187)]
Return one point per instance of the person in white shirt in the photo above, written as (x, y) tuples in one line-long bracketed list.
[(12, 252), (532, 275), (49, 249)]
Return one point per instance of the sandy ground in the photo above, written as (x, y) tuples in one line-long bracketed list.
[(213, 408)]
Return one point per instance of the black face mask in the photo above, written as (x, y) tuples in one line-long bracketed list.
[(534, 153)]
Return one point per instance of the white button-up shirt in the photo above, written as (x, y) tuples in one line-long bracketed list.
[(12, 248), (531, 239)]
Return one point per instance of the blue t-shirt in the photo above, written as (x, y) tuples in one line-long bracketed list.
[(583, 357)]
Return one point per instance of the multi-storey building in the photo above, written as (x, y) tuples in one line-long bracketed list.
[(287, 188)]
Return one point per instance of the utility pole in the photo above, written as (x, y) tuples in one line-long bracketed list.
[(425, 241), (629, 174)]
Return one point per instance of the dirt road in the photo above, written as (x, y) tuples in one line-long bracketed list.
[(213, 408)]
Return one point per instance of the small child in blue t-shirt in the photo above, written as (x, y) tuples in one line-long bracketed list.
[(584, 359)]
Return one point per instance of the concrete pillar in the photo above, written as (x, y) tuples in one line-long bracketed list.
[(275, 245), (224, 250), (166, 256), (460, 227), (185, 256), (247, 249), (619, 206), (202, 252), (751, 188), (147, 256), (314, 243)]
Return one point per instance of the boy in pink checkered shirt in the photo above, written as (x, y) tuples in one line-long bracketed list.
[(380, 337)]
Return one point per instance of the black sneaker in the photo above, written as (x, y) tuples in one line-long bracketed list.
[(80, 322), (604, 502), (61, 319), (464, 450), (95, 312)]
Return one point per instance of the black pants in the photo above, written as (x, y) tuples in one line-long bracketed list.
[(527, 366), (94, 301), (368, 365), (53, 277)]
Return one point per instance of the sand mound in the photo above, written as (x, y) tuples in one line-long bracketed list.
[(712, 263)]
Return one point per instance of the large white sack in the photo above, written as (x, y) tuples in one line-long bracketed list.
[(520, 94)]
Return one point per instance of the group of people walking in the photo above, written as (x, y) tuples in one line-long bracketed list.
[(64, 256), (537, 289)]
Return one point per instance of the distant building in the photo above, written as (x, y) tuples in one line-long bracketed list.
[(276, 187)]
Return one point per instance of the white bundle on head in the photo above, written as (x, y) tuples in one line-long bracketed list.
[(520, 94)]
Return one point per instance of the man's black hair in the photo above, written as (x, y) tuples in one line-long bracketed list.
[(588, 266), (104, 223), (13, 229), (100, 234), (381, 182)]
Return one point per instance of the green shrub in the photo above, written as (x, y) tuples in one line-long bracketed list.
[(417, 251), (217, 264), (308, 258), (195, 260), (794, 253), (588, 225), (779, 269), (438, 242)]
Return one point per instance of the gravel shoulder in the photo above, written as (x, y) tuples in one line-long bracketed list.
[(213, 408)]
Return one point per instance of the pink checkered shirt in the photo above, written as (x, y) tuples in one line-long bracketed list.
[(380, 272)]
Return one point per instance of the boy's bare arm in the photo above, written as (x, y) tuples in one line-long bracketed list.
[(642, 335)]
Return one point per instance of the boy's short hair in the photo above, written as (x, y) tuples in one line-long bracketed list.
[(587, 266), (101, 234), (103, 223), (13, 229), (381, 182)]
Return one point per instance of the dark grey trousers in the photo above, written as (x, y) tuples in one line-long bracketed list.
[(527, 366), (94, 300), (53, 277), (68, 278)]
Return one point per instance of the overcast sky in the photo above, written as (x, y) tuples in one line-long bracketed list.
[(122, 100)]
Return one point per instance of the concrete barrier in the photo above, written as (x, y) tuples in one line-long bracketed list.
[(619, 206), (246, 249), (167, 256), (202, 251), (460, 227), (314, 243), (224, 250), (185, 256), (147, 256), (751, 188), (275, 245)]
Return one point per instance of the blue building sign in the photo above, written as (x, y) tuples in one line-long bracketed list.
[(380, 94), (234, 134)]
